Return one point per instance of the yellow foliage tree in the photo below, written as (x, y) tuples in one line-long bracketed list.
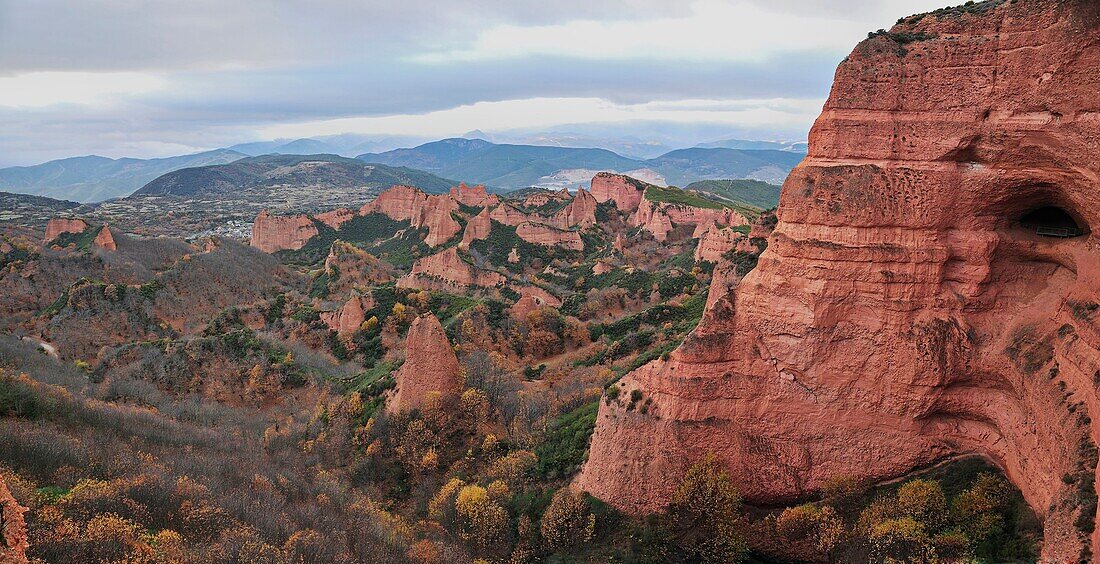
[(567, 521)]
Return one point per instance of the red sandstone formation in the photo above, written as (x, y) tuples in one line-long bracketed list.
[(903, 312), (543, 197), (625, 191), (601, 267), (421, 210), (658, 224), (513, 256), (58, 225), (336, 217), (679, 214), (105, 240), (715, 242), (350, 317), (431, 370), (473, 196), (447, 271), (13, 531), (541, 234), (531, 299), (508, 215), (271, 233), (477, 227), (581, 212)]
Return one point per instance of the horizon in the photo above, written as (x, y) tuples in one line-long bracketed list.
[(114, 81)]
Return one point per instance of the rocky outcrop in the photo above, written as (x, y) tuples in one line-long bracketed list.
[(681, 214), (902, 312), (601, 267), (58, 225), (13, 530), (431, 371), (542, 198), (473, 196), (546, 235), (406, 203), (105, 240), (447, 271), (513, 256), (271, 233), (348, 318), (531, 299), (508, 215), (580, 212), (336, 217), (714, 242), (626, 192), (351, 268), (658, 224), (477, 227)]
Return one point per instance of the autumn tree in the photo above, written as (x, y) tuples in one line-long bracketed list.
[(704, 512), (568, 521), (485, 522)]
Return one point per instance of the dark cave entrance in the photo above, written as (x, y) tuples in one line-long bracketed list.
[(1052, 221)]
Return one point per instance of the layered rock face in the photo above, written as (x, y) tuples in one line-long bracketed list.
[(431, 370), (903, 312), (446, 271), (625, 191), (648, 212), (271, 233), (58, 225), (13, 530)]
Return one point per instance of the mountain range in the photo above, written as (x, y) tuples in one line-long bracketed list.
[(500, 166), (508, 166), (94, 178)]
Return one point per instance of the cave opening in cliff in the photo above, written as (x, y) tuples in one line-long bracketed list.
[(1052, 221)]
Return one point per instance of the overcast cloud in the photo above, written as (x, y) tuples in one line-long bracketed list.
[(154, 78)]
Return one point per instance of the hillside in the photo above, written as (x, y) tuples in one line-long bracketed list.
[(744, 191), (269, 171), (24, 210), (508, 166), (94, 178), (685, 166)]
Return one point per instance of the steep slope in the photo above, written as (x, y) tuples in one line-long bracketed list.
[(297, 170), (752, 193), (93, 178), (907, 308)]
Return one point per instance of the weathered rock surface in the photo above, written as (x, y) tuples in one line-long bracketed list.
[(58, 225), (580, 212), (104, 240), (625, 191), (474, 196), (531, 299), (348, 318), (901, 312), (336, 217), (447, 271), (546, 235), (271, 233), (13, 530), (352, 268), (714, 242), (679, 214), (508, 215), (420, 209), (477, 227), (431, 370)]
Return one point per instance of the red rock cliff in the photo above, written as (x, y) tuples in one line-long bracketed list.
[(625, 191), (903, 312), (58, 225), (272, 233), (431, 368), (13, 530)]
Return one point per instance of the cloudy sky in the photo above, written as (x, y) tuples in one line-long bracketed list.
[(155, 78)]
